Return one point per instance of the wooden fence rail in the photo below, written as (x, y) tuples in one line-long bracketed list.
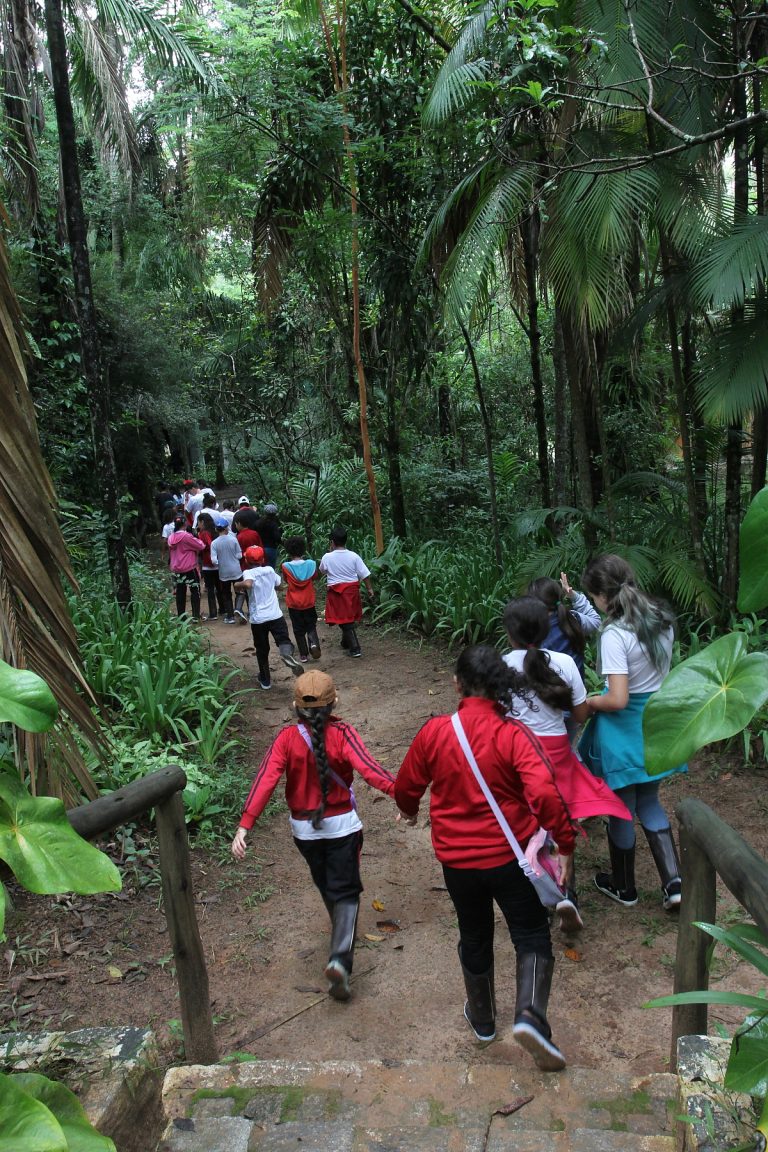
[(162, 791), (709, 848)]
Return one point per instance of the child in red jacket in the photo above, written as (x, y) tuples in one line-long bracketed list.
[(318, 757), (300, 576)]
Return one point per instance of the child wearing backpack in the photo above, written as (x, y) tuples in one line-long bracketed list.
[(300, 576), (318, 757)]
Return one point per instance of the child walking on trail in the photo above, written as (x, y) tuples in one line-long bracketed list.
[(571, 617), (344, 570), (555, 687), (225, 555), (300, 576), (184, 550), (319, 757), (478, 863), (260, 582), (634, 654), (206, 531)]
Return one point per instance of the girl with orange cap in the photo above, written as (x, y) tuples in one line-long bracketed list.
[(318, 757)]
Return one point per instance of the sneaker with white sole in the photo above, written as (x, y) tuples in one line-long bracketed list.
[(265, 684), (570, 920), (291, 662)]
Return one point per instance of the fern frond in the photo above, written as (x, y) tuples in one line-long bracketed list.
[(732, 377), (734, 267)]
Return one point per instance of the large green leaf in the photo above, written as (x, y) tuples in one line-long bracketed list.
[(747, 1069), (41, 846), (753, 581), (80, 1134), (25, 699), (26, 1125), (710, 696)]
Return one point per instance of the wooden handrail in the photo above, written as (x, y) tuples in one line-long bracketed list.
[(161, 790), (709, 848)]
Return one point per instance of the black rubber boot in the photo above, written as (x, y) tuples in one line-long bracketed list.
[(619, 883), (531, 1030), (288, 658), (480, 1005), (341, 953), (314, 644), (665, 858)]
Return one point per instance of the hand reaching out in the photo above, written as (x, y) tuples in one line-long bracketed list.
[(564, 584)]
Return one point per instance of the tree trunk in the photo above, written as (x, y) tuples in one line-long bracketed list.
[(574, 357), (529, 231), (488, 437), (95, 376), (396, 494), (562, 436)]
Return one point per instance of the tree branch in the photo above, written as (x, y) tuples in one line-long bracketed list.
[(422, 22)]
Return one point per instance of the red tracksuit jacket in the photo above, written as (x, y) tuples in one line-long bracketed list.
[(465, 832), (290, 754)]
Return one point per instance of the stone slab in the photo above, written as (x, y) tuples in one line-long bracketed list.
[(208, 1134), (293, 1136), (718, 1120)]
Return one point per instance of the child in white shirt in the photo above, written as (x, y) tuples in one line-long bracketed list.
[(260, 581), (345, 571)]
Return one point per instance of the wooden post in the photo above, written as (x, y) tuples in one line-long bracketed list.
[(178, 898), (699, 903)]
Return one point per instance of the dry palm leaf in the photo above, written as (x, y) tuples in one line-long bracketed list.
[(36, 629)]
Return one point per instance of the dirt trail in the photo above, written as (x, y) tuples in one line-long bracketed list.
[(265, 929)]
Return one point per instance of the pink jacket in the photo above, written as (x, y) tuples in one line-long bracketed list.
[(184, 549)]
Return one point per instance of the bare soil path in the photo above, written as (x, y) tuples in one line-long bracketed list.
[(106, 960)]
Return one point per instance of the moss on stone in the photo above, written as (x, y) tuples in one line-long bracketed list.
[(438, 1118)]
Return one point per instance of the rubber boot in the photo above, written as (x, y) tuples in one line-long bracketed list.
[(343, 932), (567, 909), (619, 883), (531, 1030), (314, 644), (480, 1005), (287, 656), (665, 857), (353, 644)]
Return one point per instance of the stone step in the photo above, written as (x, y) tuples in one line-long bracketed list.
[(388, 1106)]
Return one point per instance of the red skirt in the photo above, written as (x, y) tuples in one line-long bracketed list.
[(583, 793), (343, 604)]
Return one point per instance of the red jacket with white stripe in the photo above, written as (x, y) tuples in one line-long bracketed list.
[(465, 832), (290, 754)]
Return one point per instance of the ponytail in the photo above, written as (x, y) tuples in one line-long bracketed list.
[(629, 607), (480, 671), (555, 600), (527, 623), (316, 720)]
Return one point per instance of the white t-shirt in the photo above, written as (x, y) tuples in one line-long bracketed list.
[(226, 514), (168, 530), (342, 566), (225, 555), (263, 604), (194, 503), (621, 653), (547, 721)]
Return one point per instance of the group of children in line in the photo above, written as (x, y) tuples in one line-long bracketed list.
[(514, 715), (236, 555)]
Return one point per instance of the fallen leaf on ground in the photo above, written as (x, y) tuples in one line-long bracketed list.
[(388, 925), (114, 972), (307, 988), (573, 954), (377, 906), (514, 1106), (375, 939), (304, 953)]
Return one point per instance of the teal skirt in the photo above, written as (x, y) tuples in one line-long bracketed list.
[(611, 745)]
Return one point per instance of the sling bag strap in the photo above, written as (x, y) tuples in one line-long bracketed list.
[(461, 736), (334, 775)]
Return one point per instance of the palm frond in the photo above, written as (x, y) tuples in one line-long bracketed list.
[(473, 261), (734, 266), (453, 91), (171, 41), (36, 630), (732, 374), (96, 74)]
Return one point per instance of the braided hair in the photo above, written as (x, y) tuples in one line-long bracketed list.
[(527, 623), (480, 671), (554, 599), (628, 606), (316, 720)]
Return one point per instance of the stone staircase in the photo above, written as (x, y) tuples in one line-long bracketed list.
[(392, 1105)]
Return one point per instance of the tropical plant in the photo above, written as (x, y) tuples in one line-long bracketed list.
[(41, 1115)]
